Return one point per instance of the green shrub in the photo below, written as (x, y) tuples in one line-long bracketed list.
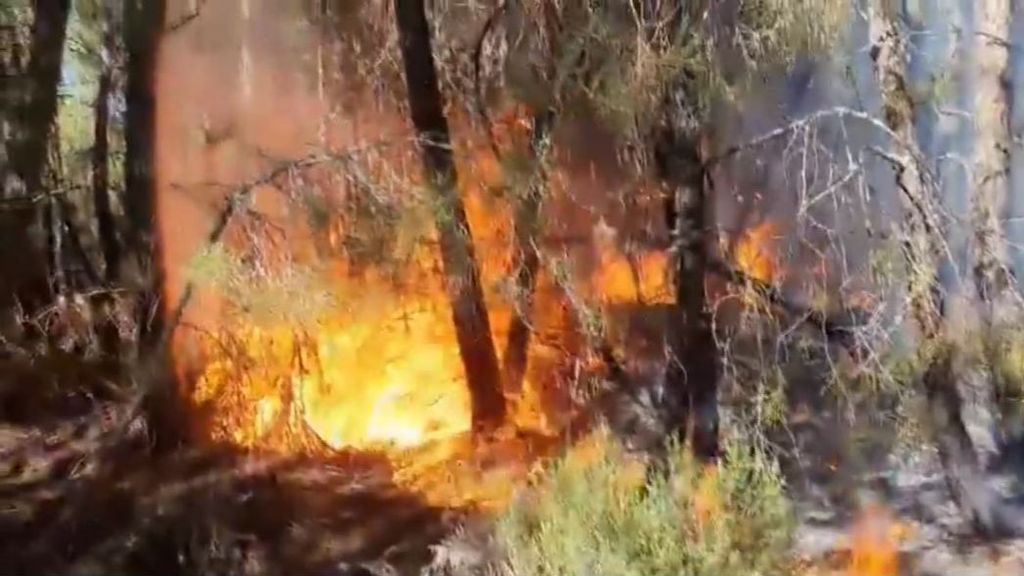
[(597, 512)]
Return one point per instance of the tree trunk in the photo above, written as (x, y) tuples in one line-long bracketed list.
[(162, 402), (37, 102), (692, 370), (922, 251), (990, 169), (1015, 205), (143, 22), (24, 284), (890, 55), (964, 475), (109, 244), (472, 325)]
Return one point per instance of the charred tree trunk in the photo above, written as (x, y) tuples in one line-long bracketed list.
[(472, 325), (143, 22), (109, 243), (692, 371), (23, 279)]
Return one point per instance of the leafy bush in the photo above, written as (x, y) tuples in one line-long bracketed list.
[(598, 511)]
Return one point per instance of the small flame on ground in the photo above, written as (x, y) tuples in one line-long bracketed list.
[(875, 543)]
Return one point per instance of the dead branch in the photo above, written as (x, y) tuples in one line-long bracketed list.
[(837, 331), (237, 200), (478, 97)]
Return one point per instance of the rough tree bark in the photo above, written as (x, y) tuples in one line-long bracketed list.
[(162, 402), (922, 251), (693, 370), (33, 98), (472, 325), (109, 243), (990, 169), (890, 56), (143, 25), (37, 102), (1015, 205)]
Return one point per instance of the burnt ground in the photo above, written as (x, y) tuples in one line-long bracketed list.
[(211, 510)]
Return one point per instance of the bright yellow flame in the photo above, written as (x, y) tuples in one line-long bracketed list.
[(394, 380), (755, 252)]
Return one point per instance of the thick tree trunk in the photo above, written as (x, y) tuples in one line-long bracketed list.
[(33, 98), (990, 169), (1015, 205), (143, 22), (990, 516), (890, 55), (472, 325), (162, 403), (37, 102), (922, 251), (109, 243)]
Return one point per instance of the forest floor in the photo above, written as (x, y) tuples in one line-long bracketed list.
[(85, 495)]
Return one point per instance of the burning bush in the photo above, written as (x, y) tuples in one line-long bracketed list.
[(598, 511)]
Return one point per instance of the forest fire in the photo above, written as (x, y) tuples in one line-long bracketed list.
[(382, 372)]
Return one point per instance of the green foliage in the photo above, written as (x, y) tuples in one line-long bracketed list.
[(291, 295), (624, 63), (598, 512)]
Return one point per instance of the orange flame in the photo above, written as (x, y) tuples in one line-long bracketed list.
[(755, 252), (875, 543)]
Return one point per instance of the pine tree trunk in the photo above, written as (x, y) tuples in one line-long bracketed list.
[(472, 325), (162, 403), (143, 22), (1015, 204), (109, 243), (33, 97), (692, 366), (693, 372), (990, 169), (921, 253), (890, 55)]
